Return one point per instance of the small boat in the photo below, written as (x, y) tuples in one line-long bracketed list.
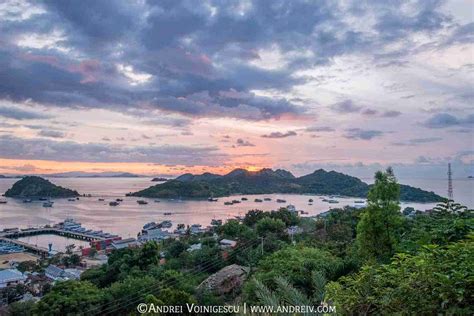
[(157, 201), (333, 201), (310, 200), (281, 201), (216, 222), (114, 203), (244, 199), (267, 199), (258, 200), (149, 225), (310, 203), (235, 201), (119, 200), (167, 213), (2, 201), (101, 200), (325, 200), (359, 202), (48, 204), (142, 202), (211, 199), (228, 203), (304, 212), (71, 200), (27, 200), (43, 199)]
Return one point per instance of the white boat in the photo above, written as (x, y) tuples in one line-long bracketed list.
[(48, 204)]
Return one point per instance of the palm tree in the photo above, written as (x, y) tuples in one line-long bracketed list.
[(450, 206), (286, 294)]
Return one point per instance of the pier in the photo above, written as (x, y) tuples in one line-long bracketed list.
[(35, 249), (54, 231)]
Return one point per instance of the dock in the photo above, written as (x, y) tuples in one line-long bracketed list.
[(54, 231), (35, 249)]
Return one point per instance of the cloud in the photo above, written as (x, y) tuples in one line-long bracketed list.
[(19, 114), (444, 120), (418, 141), (357, 133), (51, 133), (319, 129), (370, 112), (48, 149), (346, 106), (243, 143), (279, 134), (391, 113)]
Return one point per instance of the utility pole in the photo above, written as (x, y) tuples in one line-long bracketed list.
[(261, 245)]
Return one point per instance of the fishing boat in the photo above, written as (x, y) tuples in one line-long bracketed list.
[(167, 213), (71, 200), (267, 199), (235, 201), (43, 199), (211, 199), (281, 201), (142, 202), (244, 199), (119, 200), (310, 200), (114, 203), (228, 203), (101, 200), (166, 224), (157, 201), (48, 204), (27, 200), (2, 201), (258, 200), (359, 202), (216, 222), (333, 201)]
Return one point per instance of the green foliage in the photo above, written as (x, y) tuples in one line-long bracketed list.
[(438, 280), (295, 264), (69, 298), (378, 229), (21, 308), (267, 226)]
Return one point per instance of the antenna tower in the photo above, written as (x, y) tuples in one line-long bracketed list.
[(450, 182)]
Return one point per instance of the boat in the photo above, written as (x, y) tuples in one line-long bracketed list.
[(244, 199), (310, 200), (359, 202), (228, 203), (157, 201), (101, 200), (258, 200), (27, 200), (114, 203), (2, 201), (71, 200), (48, 204), (304, 212), (119, 200), (167, 213), (281, 201), (267, 199), (43, 199), (211, 199), (216, 222), (142, 202), (333, 201), (325, 200), (235, 201), (149, 225), (310, 203)]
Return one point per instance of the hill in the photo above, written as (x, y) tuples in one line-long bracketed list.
[(33, 186), (267, 181)]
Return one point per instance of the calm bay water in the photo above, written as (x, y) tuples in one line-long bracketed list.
[(128, 218)]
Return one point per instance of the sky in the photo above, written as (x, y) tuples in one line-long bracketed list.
[(167, 87)]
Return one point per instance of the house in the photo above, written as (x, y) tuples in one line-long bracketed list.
[(124, 243), (227, 243), (195, 247), (155, 234), (11, 277), (293, 230), (56, 273)]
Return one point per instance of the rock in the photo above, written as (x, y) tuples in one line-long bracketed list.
[(225, 280)]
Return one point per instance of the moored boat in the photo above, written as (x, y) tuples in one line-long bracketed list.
[(142, 202)]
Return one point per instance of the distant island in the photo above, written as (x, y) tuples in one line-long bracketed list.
[(267, 181), (33, 187), (82, 174), (159, 179)]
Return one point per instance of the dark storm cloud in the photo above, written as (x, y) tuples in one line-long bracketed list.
[(19, 114), (357, 133), (444, 120), (195, 52), (280, 134), (45, 149)]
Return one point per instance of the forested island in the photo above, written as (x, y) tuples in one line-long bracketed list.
[(267, 181), (33, 186)]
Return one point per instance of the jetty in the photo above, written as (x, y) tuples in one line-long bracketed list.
[(47, 230)]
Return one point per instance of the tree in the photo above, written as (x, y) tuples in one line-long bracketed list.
[(70, 298), (267, 226), (377, 231), (436, 281)]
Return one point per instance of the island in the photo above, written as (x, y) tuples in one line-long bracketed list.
[(268, 181), (36, 187), (159, 179)]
